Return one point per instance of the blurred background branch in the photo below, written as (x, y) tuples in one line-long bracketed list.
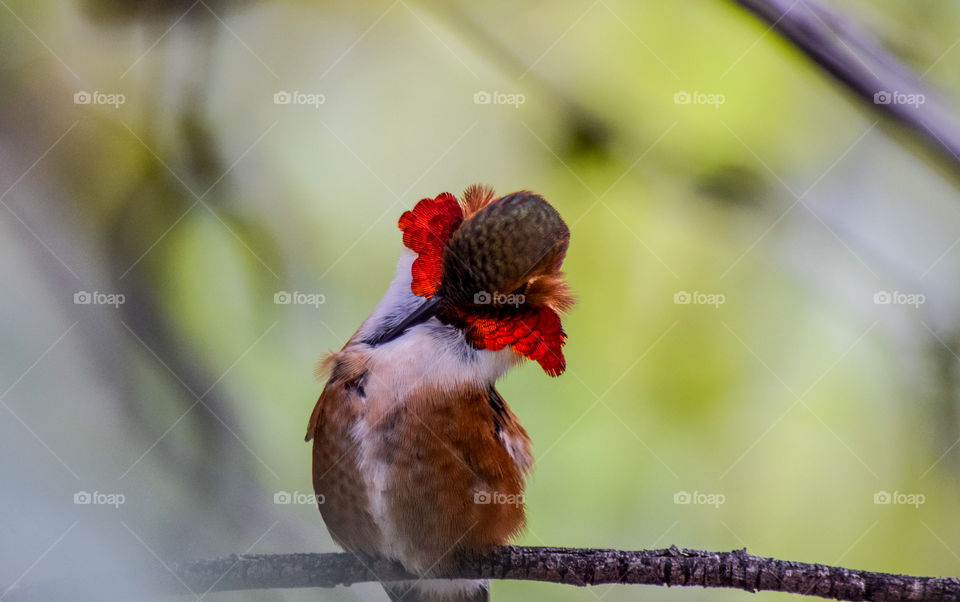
[(855, 59)]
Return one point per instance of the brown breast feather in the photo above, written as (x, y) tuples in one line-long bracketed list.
[(451, 482)]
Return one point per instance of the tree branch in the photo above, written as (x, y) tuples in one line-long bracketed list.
[(865, 68), (568, 566)]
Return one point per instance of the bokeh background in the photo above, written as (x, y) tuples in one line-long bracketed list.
[(785, 399)]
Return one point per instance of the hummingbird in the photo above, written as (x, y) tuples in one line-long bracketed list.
[(416, 455)]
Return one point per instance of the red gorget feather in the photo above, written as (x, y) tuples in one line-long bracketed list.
[(534, 333)]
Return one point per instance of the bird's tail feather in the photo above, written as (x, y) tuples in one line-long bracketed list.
[(439, 590)]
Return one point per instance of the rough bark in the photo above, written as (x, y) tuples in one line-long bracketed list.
[(568, 566)]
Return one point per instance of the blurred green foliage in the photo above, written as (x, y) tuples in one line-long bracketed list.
[(797, 399)]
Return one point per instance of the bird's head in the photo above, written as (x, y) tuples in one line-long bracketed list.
[(491, 267)]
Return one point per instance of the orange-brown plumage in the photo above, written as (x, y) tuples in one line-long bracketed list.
[(446, 457), (415, 454), (475, 198)]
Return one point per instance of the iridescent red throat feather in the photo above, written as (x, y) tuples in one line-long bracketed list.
[(532, 330)]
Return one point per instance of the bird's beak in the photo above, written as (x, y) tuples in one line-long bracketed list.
[(427, 310)]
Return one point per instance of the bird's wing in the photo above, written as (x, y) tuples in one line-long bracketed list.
[(342, 495)]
